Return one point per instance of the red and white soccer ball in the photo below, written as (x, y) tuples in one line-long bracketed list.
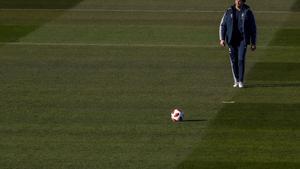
[(177, 115)]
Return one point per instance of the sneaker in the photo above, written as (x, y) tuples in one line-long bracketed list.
[(241, 85), (236, 84)]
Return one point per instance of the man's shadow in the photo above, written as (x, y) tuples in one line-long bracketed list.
[(273, 85)]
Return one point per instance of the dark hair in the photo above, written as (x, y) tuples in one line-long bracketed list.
[(244, 0)]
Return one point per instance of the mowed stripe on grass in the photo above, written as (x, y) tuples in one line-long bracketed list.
[(102, 106), (108, 107), (261, 128), (59, 100)]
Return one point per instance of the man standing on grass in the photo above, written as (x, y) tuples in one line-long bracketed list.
[(238, 29)]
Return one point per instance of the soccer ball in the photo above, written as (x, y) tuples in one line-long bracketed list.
[(177, 115)]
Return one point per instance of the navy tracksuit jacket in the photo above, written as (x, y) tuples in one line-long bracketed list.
[(238, 29)]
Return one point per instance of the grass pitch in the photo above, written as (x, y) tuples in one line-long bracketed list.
[(88, 84)]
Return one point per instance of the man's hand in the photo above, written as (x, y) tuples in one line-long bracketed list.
[(222, 43), (253, 47)]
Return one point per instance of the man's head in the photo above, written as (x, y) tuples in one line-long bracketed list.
[(239, 3)]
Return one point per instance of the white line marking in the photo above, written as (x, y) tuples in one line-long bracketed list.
[(106, 44), (137, 10), (228, 102), (128, 45)]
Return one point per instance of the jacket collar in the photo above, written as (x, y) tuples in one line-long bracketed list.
[(244, 7)]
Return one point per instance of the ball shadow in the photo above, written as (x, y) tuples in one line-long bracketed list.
[(194, 120)]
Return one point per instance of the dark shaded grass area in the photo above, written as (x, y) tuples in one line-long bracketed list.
[(37, 4), (296, 6), (11, 33), (286, 37), (250, 135), (239, 165), (282, 72), (259, 116)]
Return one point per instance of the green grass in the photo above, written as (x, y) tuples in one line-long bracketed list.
[(11, 33), (260, 129), (112, 108), (296, 6), (106, 102), (287, 37), (38, 4), (19, 23)]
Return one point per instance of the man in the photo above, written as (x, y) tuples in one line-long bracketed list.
[(238, 29)]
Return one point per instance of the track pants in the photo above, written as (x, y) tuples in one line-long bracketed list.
[(237, 59)]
